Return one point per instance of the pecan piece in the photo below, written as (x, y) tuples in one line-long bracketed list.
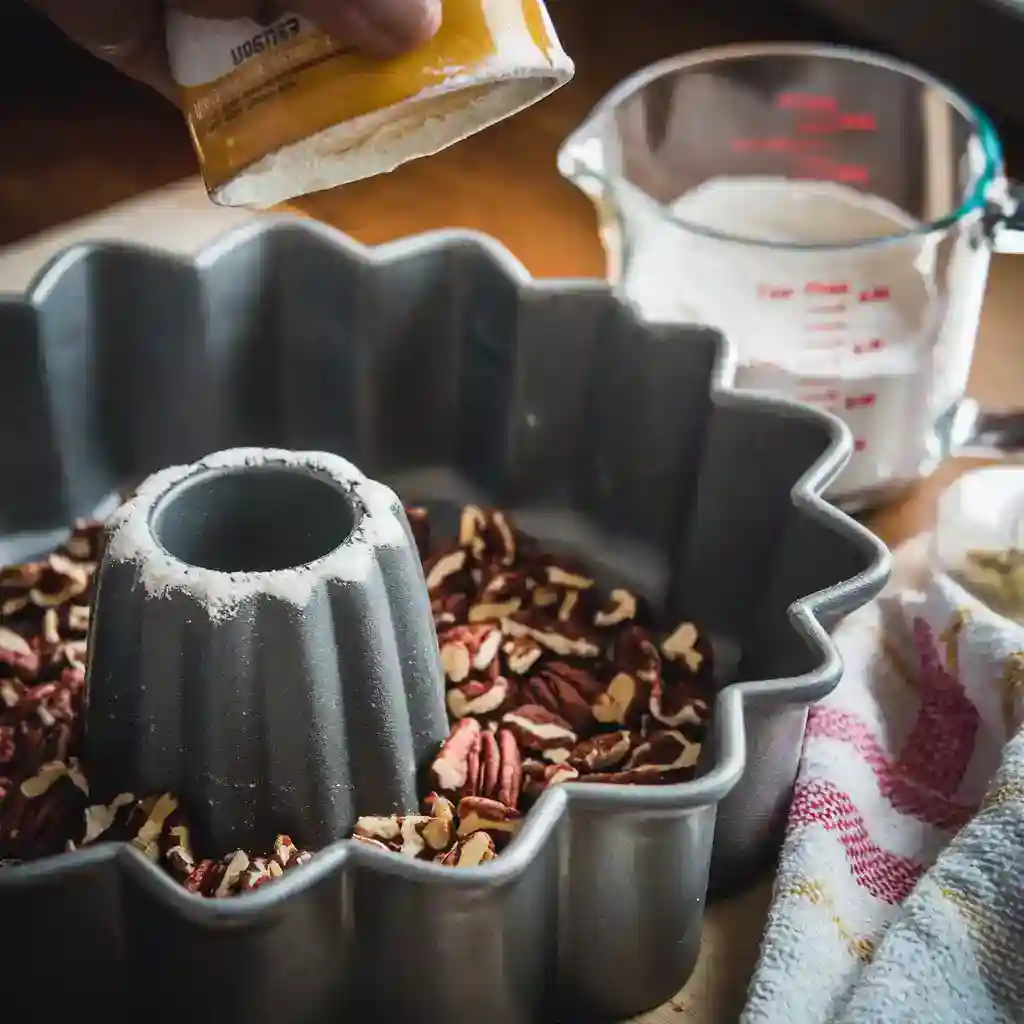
[(17, 654), (674, 706), (442, 568), (398, 833), (450, 771), (566, 691), (478, 814), (7, 745), (562, 639), (667, 750), (478, 698), (621, 703), (467, 649), (567, 579), (622, 607), (633, 651), (539, 730), (538, 777), (601, 753), (685, 647), (101, 818), (469, 852), (439, 832), (665, 757), (510, 771), (521, 654), (449, 610)]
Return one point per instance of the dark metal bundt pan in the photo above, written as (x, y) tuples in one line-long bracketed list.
[(438, 367)]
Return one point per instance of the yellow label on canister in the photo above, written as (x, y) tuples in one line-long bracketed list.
[(282, 109)]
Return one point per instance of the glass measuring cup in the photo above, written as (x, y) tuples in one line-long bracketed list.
[(832, 212)]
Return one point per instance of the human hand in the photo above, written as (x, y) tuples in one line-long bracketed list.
[(130, 33)]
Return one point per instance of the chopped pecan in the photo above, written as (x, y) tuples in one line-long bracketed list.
[(666, 757), (601, 753), (559, 638), (538, 777), (442, 567), (157, 810), (412, 835), (674, 706), (685, 647), (469, 852), (62, 581), (521, 654), (467, 649), (494, 611), (622, 702), (86, 542), (7, 746), (622, 607), (566, 691), (234, 869), (51, 773), (450, 610), (259, 872), (634, 651), (449, 773), (439, 832), (539, 730), (472, 526), (205, 878), (478, 814), (479, 697), (667, 750), (179, 856), (100, 818), (18, 655), (567, 579)]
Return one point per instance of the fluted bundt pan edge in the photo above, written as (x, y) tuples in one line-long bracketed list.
[(437, 366)]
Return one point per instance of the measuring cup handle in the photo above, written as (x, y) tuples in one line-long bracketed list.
[(1004, 220), (990, 434)]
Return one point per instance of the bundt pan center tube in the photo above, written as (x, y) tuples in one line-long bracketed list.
[(263, 647), (443, 371)]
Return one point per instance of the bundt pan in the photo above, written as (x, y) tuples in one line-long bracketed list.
[(441, 370)]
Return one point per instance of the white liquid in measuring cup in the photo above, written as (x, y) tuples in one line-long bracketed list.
[(849, 329)]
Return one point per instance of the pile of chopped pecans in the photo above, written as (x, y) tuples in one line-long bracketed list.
[(548, 680), (44, 791)]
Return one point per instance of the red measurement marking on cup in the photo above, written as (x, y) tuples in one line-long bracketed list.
[(853, 122), (813, 101), (866, 401), (835, 307), (859, 444), (880, 293), (826, 288), (830, 325), (774, 292), (864, 347)]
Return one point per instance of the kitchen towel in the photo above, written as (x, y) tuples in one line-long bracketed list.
[(900, 891)]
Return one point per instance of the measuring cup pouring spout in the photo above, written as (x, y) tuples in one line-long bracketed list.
[(833, 213)]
